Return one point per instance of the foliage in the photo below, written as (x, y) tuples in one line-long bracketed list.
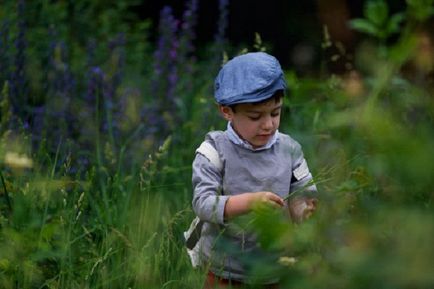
[(377, 22), (97, 132), (421, 10)]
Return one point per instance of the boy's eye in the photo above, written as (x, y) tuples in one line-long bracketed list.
[(254, 117), (274, 114)]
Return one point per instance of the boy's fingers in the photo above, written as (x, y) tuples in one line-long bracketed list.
[(279, 200), (275, 199), (271, 198)]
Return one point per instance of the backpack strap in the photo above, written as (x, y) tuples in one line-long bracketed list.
[(207, 150), (192, 235)]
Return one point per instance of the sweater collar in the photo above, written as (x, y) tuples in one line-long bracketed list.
[(236, 139)]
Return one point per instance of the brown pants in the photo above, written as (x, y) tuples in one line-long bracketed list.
[(215, 282)]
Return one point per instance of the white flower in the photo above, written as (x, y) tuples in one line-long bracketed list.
[(287, 261), (17, 161)]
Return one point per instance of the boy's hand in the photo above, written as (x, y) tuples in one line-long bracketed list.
[(267, 198), (243, 203), (301, 208)]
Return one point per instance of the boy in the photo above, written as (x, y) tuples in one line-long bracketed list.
[(259, 164)]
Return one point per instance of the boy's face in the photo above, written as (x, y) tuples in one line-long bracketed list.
[(255, 123)]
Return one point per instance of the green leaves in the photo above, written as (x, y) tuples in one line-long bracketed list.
[(377, 22), (394, 22), (364, 26), (376, 12), (421, 10)]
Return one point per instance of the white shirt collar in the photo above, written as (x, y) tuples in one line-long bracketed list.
[(236, 139)]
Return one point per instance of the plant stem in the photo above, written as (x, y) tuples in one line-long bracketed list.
[(8, 199)]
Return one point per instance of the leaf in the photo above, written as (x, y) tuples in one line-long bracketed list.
[(365, 26), (420, 4), (393, 23), (421, 9), (377, 12), (403, 50)]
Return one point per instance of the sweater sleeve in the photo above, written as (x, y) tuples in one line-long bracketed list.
[(208, 203), (301, 181)]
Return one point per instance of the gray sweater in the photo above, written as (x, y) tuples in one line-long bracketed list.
[(280, 169)]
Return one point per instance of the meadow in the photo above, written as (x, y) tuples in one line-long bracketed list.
[(98, 128)]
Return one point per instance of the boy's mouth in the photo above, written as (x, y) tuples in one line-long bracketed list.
[(268, 133), (264, 136)]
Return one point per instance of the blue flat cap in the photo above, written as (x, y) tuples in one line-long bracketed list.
[(250, 77)]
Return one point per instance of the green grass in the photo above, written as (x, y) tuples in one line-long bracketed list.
[(122, 228), (118, 222)]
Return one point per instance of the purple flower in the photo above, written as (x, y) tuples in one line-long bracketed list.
[(99, 101), (163, 87), (4, 55), (167, 39), (165, 58), (60, 87), (35, 124), (18, 81), (63, 81), (172, 58), (92, 107), (222, 22), (220, 36), (94, 85), (173, 53), (187, 34)]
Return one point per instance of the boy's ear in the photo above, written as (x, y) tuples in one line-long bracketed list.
[(226, 112)]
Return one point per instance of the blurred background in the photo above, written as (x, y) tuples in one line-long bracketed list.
[(103, 104), (288, 27)]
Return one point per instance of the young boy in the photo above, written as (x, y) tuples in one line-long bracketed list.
[(259, 164)]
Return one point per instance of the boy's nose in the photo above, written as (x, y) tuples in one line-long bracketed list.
[(267, 124)]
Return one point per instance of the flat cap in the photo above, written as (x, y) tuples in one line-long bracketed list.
[(250, 77)]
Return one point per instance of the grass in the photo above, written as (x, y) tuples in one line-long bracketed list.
[(106, 206)]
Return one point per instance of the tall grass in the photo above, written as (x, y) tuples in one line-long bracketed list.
[(101, 199)]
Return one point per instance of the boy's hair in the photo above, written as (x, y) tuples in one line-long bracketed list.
[(277, 96)]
